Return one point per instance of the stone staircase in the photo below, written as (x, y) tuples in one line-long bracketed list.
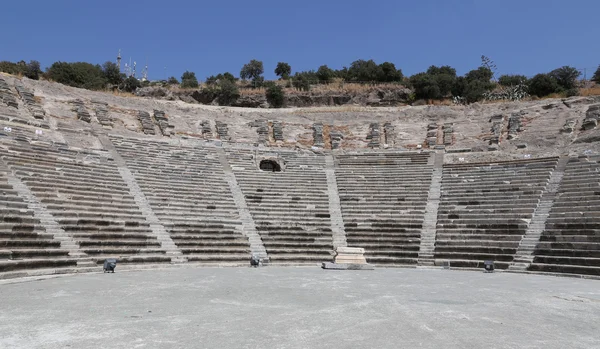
[(426, 250), (524, 255), (257, 247), (335, 209)]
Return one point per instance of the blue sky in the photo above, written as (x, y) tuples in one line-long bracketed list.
[(209, 37)]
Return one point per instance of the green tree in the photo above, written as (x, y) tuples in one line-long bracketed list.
[(131, 84), (444, 77), (511, 80), (565, 76), (389, 73), (78, 74), (173, 81), (596, 76), (11, 68), (189, 80), (275, 95), (112, 74), (425, 86), (33, 70), (364, 71), (229, 76), (325, 74), (303, 80), (283, 70), (228, 92), (253, 71), (542, 85)]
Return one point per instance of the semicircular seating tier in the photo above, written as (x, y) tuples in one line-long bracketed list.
[(485, 209), (383, 198)]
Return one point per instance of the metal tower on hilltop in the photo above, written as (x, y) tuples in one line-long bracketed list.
[(145, 73), (119, 60)]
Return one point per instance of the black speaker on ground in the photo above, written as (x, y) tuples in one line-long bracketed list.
[(109, 265)]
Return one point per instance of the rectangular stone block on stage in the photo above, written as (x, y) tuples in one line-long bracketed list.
[(348, 258)]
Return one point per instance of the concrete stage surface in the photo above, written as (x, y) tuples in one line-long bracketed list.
[(293, 307)]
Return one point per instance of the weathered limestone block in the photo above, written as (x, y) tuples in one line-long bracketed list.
[(222, 130), (348, 258), (514, 125), (592, 116), (318, 135), (82, 113), (336, 139), (163, 123), (569, 126), (206, 129), (353, 255), (374, 135), (101, 109), (448, 131), (29, 100), (278, 130), (389, 134), (146, 121)]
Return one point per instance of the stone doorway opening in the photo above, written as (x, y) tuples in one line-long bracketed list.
[(269, 166)]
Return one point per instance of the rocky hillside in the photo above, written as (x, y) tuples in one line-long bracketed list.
[(367, 96)]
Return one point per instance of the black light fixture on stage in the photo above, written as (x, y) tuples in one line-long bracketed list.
[(489, 266), (110, 264)]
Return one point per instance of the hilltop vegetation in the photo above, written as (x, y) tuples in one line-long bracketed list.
[(436, 83)]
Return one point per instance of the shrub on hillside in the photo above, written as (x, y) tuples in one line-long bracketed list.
[(511, 80), (227, 92), (596, 76), (131, 84), (112, 73), (542, 85), (33, 70), (325, 74), (566, 77), (572, 92), (425, 86), (189, 80), (275, 95), (173, 81), (78, 74), (389, 73)]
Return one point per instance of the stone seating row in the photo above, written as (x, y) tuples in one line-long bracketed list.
[(485, 210), (570, 242), (24, 243), (186, 190), (383, 198)]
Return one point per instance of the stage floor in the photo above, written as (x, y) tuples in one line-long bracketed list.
[(293, 307)]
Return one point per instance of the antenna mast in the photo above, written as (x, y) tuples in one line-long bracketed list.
[(119, 60)]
